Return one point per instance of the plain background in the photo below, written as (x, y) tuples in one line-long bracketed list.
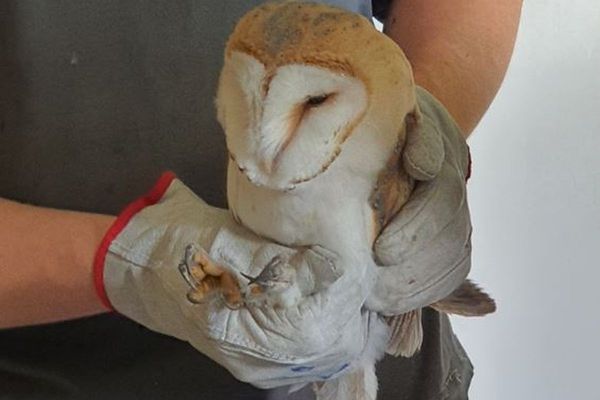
[(535, 202)]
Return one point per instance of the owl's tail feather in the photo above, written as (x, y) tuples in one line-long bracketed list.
[(406, 334), (358, 385), (468, 300)]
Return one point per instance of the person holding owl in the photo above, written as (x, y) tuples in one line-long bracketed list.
[(134, 107)]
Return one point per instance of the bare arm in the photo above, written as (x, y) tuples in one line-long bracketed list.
[(46, 264), (459, 49)]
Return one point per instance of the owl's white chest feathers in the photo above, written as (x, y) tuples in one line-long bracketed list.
[(332, 211)]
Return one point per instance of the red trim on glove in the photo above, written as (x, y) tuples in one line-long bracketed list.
[(152, 197)]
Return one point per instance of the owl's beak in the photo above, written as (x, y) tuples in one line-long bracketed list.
[(269, 156), (260, 173), (272, 142)]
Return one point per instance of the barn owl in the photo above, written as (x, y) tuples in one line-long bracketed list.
[(317, 106)]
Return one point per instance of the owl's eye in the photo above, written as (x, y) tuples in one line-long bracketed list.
[(315, 101)]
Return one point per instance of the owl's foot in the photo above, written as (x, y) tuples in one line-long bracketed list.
[(205, 276), (275, 285)]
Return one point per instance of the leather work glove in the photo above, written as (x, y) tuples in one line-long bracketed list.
[(143, 271), (425, 252)]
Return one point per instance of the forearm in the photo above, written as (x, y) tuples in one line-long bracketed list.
[(46, 259), (459, 49)]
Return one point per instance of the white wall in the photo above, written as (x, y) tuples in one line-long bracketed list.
[(535, 202)]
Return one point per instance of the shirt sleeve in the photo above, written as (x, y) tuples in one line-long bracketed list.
[(380, 9), (362, 7)]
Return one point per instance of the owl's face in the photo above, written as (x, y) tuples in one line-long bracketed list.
[(286, 125)]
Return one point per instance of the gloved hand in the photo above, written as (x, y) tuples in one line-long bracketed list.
[(138, 272), (425, 252)]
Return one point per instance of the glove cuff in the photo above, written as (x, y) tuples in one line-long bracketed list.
[(150, 198)]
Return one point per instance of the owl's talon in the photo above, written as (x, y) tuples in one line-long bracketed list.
[(232, 294), (234, 303), (198, 273), (189, 251), (206, 286), (195, 296), (203, 260), (186, 273), (204, 276)]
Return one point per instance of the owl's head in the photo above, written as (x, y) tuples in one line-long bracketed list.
[(304, 85)]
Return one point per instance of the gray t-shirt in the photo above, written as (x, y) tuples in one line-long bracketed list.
[(97, 98)]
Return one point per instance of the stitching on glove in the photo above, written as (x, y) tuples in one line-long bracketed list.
[(128, 254), (239, 343), (429, 175)]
